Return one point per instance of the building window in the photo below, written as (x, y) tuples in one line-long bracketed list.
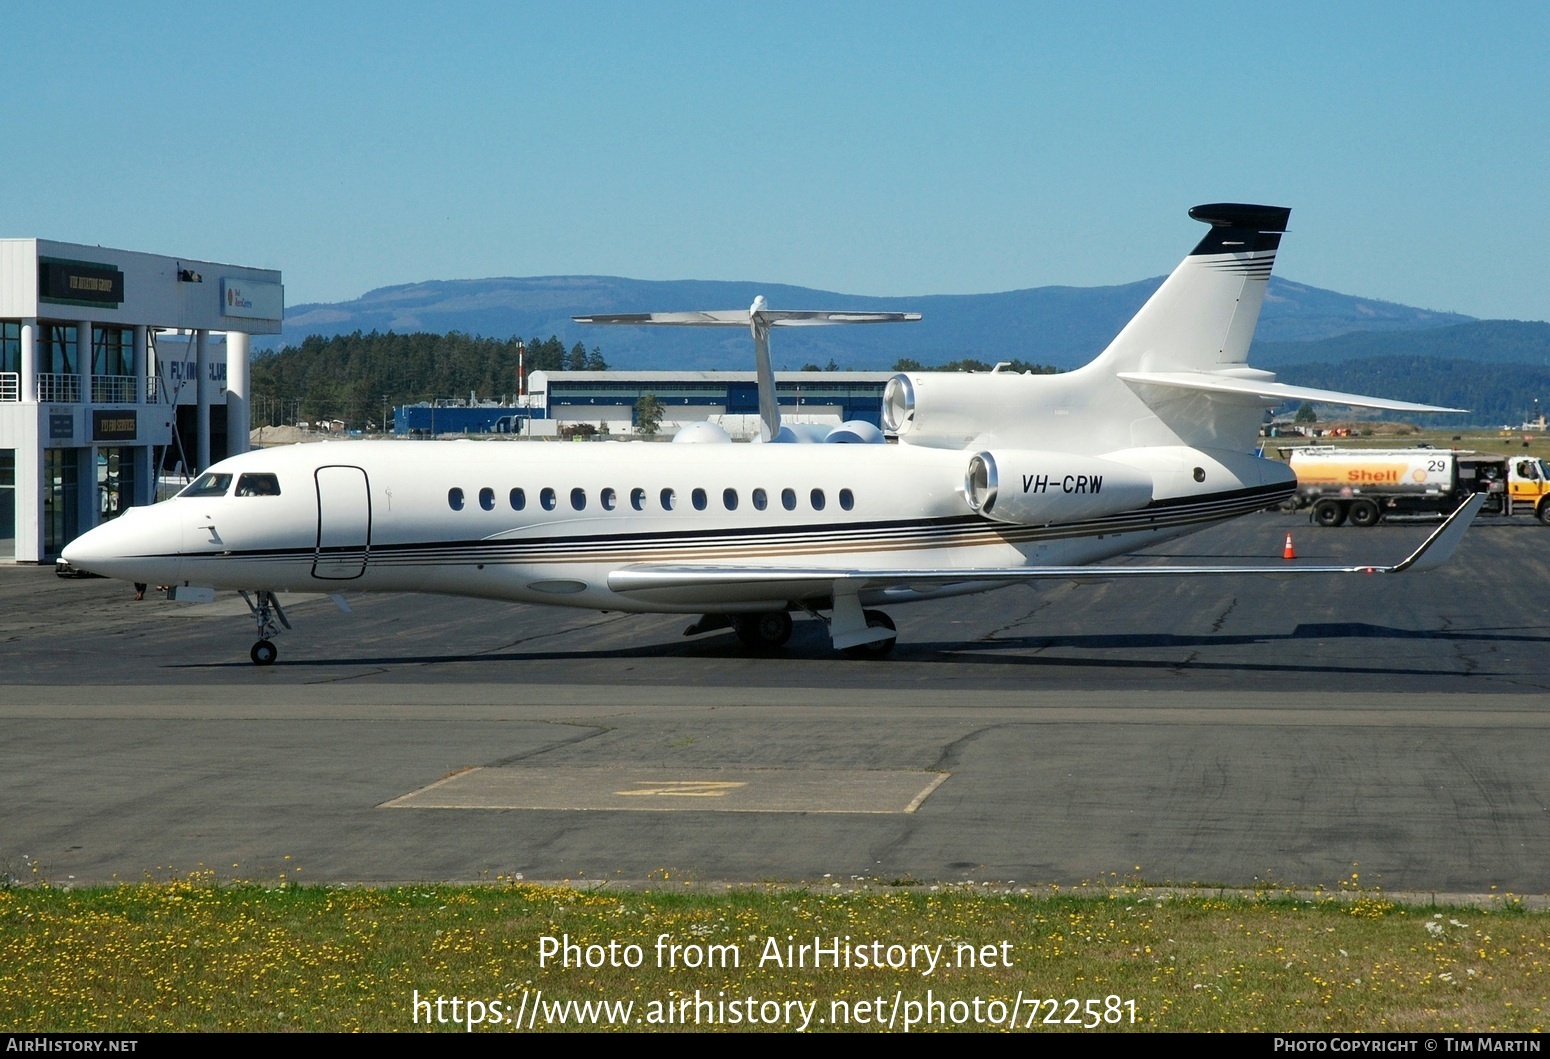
[(61, 468), (10, 346), (57, 349), (116, 483), (7, 503), (112, 351)]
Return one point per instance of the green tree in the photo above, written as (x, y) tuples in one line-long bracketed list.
[(1306, 414), (648, 415)]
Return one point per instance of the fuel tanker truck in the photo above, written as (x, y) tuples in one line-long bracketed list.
[(1365, 486)]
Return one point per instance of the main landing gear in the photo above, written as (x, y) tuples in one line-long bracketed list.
[(875, 619), (266, 612), (856, 633), (763, 632)]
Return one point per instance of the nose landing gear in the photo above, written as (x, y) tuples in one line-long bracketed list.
[(266, 612)]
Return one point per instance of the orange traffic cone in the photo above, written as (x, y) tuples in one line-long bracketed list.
[(1288, 552)]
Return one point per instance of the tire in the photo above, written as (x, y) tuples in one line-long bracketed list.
[(1364, 513), (763, 632), (875, 619), (1329, 513), (264, 653), (1544, 511)]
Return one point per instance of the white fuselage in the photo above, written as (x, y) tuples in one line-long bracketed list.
[(548, 523)]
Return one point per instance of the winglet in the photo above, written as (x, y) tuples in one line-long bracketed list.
[(1439, 547)]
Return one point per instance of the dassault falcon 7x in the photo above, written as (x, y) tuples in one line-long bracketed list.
[(995, 478)]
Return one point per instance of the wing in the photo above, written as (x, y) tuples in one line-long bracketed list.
[(729, 584)]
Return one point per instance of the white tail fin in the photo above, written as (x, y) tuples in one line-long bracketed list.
[(1203, 316)]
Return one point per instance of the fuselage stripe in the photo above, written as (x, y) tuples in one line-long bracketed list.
[(963, 531)]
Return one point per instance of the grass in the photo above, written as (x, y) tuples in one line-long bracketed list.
[(192, 954)]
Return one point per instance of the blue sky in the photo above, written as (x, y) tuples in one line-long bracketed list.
[(889, 149)]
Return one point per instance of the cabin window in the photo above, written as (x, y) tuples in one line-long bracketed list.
[(546, 498), (788, 499), (638, 498), (455, 498), (729, 499), (209, 485), (847, 499), (760, 500), (258, 485), (698, 497), (816, 496), (608, 499), (518, 500), (669, 498), (578, 499), (487, 498)]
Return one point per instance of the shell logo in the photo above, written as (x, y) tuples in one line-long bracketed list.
[(1418, 475)]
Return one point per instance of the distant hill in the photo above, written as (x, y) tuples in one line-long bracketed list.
[(1495, 394), (1495, 341), (1063, 326)]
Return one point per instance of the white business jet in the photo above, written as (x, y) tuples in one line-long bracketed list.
[(997, 478)]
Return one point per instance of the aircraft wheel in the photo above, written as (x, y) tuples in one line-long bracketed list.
[(763, 632), (264, 653), (1328, 513), (1364, 513), (875, 619)]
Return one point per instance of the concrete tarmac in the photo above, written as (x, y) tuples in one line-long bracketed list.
[(1391, 731)]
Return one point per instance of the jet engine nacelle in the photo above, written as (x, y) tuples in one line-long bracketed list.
[(952, 408), (1029, 487)]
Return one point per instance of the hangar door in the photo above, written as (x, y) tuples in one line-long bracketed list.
[(344, 523)]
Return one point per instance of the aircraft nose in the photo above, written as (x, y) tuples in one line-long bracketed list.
[(89, 550), (129, 547)]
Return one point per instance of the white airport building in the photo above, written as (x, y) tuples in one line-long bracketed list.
[(102, 353)]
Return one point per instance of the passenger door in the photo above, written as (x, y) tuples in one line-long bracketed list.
[(344, 523)]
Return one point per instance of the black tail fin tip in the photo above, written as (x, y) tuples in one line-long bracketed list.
[(1237, 228), (1242, 215)]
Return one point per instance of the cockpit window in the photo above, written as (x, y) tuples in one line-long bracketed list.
[(258, 485), (209, 485)]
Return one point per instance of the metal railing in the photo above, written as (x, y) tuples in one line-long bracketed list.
[(150, 389), (61, 389), (113, 389), (10, 386)]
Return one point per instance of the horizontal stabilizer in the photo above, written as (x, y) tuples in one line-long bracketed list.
[(771, 582), (1272, 393), (742, 317), (758, 318)]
